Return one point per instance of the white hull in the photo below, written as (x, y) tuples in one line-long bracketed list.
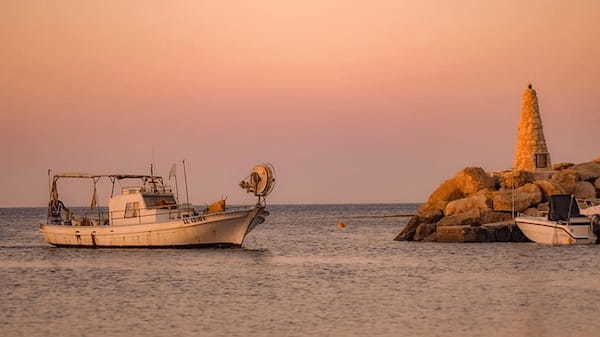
[(543, 231), (226, 228)]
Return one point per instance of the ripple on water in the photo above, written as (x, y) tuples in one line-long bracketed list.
[(298, 275)]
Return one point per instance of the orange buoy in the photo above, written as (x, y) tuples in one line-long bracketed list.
[(341, 224)]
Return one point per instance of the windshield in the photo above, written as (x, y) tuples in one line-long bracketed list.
[(159, 201)]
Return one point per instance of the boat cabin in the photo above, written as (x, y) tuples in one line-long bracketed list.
[(150, 202), (138, 205), (563, 207)]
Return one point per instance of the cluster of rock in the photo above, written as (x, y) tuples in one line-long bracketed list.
[(476, 206)]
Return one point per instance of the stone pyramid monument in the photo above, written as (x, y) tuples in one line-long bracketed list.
[(531, 152)]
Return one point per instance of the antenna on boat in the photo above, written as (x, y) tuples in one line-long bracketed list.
[(173, 173), (187, 195), (49, 184), (152, 178)]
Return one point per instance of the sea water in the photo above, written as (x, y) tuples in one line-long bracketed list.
[(298, 274)]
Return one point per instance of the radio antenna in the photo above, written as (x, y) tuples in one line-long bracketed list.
[(187, 195)]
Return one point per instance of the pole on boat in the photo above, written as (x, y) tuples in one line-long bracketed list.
[(173, 174), (176, 188), (152, 178), (49, 184), (187, 195), (49, 195)]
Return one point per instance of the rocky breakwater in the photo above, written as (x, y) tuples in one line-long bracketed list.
[(476, 206)]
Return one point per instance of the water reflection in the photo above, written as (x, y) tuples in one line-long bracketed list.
[(297, 275)]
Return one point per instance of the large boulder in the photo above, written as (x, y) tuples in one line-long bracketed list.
[(465, 182), (524, 197), (549, 188), (532, 211), (469, 218), (493, 217), (567, 179), (532, 191), (480, 201), (461, 234), (423, 231), (497, 176), (515, 178), (584, 190), (430, 212), (431, 238), (505, 231), (473, 179), (587, 171), (561, 166), (408, 232), (446, 192)]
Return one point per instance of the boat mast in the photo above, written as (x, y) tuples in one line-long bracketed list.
[(187, 195), (152, 178), (173, 174), (176, 188), (49, 184)]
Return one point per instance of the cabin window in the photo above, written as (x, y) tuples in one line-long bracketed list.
[(159, 201), (132, 209), (541, 160)]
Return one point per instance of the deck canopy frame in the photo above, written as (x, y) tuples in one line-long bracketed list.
[(110, 176), (151, 179), (56, 206)]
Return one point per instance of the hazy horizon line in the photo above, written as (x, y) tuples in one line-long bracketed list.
[(270, 204)]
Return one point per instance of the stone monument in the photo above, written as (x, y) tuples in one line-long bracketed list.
[(531, 152)]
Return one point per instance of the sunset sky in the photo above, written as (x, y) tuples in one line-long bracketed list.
[(352, 101)]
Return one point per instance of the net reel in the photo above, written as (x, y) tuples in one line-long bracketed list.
[(260, 182)]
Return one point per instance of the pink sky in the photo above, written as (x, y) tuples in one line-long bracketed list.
[(374, 101)]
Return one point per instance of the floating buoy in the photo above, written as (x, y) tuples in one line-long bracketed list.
[(341, 224)]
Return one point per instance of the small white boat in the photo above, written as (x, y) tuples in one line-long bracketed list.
[(149, 216), (564, 224)]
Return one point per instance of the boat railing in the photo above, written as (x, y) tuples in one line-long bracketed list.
[(149, 188), (148, 215), (103, 217), (100, 216)]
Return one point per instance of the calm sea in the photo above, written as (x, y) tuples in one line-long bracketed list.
[(297, 275)]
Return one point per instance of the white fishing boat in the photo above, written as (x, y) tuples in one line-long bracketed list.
[(564, 224), (148, 215)]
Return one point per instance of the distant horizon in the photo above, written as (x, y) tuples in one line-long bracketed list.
[(268, 204)]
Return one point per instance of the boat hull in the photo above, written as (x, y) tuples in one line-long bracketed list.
[(542, 231), (220, 229)]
